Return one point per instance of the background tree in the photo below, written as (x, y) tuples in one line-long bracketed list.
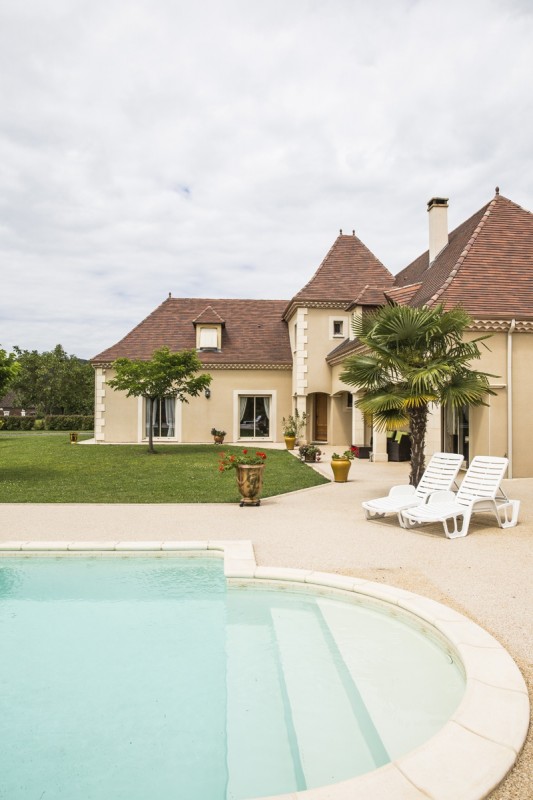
[(413, 357), (167, 374), (54, 382), (8, 370)]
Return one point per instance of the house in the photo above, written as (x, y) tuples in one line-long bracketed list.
[(268, 357), (9, 407)]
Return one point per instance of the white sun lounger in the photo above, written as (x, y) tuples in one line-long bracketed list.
[(439, 475), (479, 491)]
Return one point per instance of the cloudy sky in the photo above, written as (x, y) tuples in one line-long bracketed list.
[(214, 148)]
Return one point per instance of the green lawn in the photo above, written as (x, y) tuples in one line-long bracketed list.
[(46, 468)]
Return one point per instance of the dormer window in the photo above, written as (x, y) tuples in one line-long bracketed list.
[(208, 326), (207, 337)]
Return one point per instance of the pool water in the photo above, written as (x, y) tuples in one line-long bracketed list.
[(136, 678)]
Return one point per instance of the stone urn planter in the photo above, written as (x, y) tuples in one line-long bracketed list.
[(341, 467), (249, 467), (250, 483)]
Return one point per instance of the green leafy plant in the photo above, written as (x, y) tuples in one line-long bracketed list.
[(214, 432), (166, 374), (294, 424), (245, 459), (409, 359), (310, 452), (348, 454)]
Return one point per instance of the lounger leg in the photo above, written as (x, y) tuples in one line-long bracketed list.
[(373, 514), (405, 522), (508, 514), (457, 532)]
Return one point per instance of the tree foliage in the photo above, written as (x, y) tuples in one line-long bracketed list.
[(8, 370), (412, 357), (167, 374), (54, 382)]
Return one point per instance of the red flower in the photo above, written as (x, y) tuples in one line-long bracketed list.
[(245, 451)]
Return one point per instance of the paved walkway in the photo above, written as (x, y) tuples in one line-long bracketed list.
[(488, 575)]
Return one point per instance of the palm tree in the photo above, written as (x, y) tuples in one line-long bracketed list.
[(409, 358)]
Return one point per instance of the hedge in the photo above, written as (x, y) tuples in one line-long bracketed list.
[(52, 422)]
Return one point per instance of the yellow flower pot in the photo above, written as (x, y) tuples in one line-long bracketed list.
[(289, 442), (341, 468)]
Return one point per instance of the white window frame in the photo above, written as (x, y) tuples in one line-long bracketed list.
[(200, 328), (272, 393), (141, 428), (345, 322)]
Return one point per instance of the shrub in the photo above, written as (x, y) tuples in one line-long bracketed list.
[(17, 423), (68, 422)]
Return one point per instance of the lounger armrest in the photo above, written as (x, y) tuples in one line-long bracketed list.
[(441, 496), (404, 490)]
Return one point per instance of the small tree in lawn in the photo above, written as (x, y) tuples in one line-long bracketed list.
[(167, 374), (413, 357)]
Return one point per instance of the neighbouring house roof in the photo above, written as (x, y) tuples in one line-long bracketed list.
[(344, 273), (486, 267), (254, 332)]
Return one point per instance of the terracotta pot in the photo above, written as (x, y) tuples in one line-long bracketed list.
[(341, 468), (219, 439), (250, 483), (290, 442)]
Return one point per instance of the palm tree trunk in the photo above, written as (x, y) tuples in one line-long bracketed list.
[(418, 418)]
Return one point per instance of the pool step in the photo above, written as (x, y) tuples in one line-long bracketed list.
[(257, 754), (322, 691)]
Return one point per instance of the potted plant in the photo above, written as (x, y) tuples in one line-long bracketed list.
[(340, 464), (309, 452), (218, 435), (249, 467), (292, 427)]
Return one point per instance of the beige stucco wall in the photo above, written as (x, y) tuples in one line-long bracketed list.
[(522, 405), (489, 425), (221, 410), (320, 342), (123, 416)]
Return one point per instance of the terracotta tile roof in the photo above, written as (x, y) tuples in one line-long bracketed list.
[(487, 266), (369, 296), (209, 317), (348, 267), (254, 332), (402, 294), (342, 350)]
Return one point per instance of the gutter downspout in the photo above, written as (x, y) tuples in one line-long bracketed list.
[(510, 332)]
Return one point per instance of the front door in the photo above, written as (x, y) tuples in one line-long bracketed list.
[(321, 417)]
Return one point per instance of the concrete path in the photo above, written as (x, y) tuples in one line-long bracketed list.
[(488, 576)]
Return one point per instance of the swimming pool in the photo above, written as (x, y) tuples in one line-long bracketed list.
[(145, 677)]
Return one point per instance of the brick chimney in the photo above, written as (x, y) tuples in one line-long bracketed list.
[(438, 225)]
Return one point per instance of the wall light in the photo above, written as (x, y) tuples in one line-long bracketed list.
[(207, 394)]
